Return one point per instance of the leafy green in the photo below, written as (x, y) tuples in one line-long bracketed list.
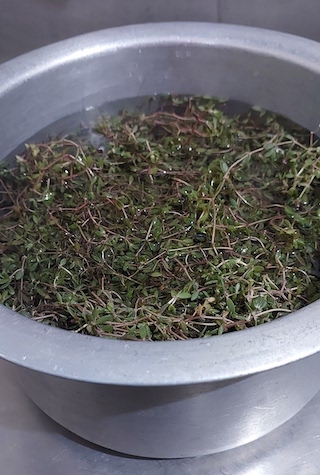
[(190, 223)]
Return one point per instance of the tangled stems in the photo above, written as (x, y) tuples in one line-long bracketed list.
[(189, 224)]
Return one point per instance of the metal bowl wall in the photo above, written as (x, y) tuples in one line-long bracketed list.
[(29, 24), (164, 399)]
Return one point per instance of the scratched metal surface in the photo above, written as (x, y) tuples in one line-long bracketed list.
[(31, 444)]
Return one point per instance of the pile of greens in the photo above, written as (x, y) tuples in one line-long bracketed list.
[(188, 224)]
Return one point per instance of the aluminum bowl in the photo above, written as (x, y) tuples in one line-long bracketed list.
[(179, 398)]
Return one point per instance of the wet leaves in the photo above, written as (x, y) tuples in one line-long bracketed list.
[(181, 224)]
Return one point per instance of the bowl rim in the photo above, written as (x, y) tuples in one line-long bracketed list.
[(141, 363)]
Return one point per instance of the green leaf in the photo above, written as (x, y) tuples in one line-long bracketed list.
[(259, 303), (230, 305), (143, 331), (104, 319), (224, 167), (19, 274), (194, 295), (183, 295)]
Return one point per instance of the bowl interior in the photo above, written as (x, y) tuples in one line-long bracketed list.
[(78, 76)]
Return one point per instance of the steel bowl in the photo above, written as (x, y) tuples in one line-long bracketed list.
[(175, 398)]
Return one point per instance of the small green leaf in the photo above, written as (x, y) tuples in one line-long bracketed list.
[(231, 306), (194, 295), (259, 303), (4, 279), (183, 295), (19, 274), (103, 319), (224, 167), (143, 331)]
